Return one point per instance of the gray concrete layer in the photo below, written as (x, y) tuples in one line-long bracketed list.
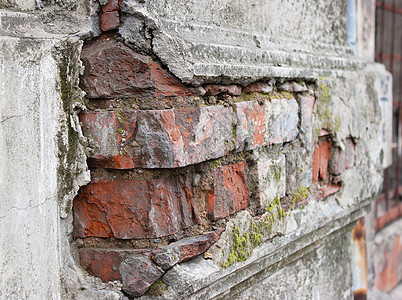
[(29, 111), (34, 246), (241, 41)]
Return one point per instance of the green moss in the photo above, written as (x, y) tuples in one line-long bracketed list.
[(251, 97), (158, 288), (301, 194), (240, 249), (68, 139), (255, 235), (243, 245), (216, 163), (280, 95), (337, 123), (277, 174), (324, 110)]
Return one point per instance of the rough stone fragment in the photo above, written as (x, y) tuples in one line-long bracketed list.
[(109, 20), (292, 86), (102, 263), (321, 156), (111, 5), (158, 138), (250, 128), (114, 70), (341, 160), (134, 209), (271, 178), (306, 112), (258, 87), (299, 167), (183, 250), (216, 89), (327, 190), (138, 273), (230, 192), (282, 120)]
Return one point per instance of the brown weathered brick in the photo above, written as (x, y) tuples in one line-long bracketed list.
[(111, 5), (327, 190), (114, 70), (158, 138), (134, 209), (185, 249), (258, 87), (321, 156), (230, 192), (102, 263), (250, 128), (109, 20)]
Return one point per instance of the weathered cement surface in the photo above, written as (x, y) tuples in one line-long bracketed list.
[(29, 112), (233, 40), (203, 279), (323, 273), (33, 130)]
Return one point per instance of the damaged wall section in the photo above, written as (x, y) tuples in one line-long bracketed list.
[(196, 181), (223, 158)]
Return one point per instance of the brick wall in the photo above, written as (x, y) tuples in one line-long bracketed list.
[(171, 163)]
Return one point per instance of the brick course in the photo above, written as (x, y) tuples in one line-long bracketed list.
[(158, 138), (134, 209), (114, 70)]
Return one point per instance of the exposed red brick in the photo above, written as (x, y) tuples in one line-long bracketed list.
[(185, 249), (102, 263), (158, 138), (231, 191), (216, 89), (114, 70), (327, 190), (258, 87), (250, 128), (321, 156), (134, 209), (111, 5), (388, 277), (109, 20)]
